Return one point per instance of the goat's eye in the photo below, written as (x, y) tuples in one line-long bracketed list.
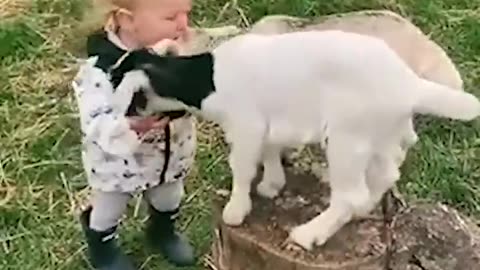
[(170, 51), (97, 85)]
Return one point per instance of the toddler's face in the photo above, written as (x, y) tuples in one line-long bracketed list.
[(155, 20)]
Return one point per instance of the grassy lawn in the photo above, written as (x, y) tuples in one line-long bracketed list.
[(41, 179)]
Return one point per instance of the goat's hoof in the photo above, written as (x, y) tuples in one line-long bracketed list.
[(303, 236), (268, 190), (235, 211), (321, 237), (272, 183)]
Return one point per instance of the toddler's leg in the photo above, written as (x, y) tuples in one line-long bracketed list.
[(108, 208), (99, 223), (164, 201), (166, 197)]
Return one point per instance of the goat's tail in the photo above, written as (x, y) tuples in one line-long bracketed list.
[(440, 100)]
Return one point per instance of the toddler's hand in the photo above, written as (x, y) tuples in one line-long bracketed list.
[(142, 125)]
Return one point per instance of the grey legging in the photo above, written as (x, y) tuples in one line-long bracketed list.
[(108, 207)]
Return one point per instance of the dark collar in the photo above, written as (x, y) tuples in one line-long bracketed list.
[(98, 44)]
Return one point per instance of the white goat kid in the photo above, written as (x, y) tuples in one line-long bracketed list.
[(268, 92), (296, 87)]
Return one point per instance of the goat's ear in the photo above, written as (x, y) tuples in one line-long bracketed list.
[(164, 75)]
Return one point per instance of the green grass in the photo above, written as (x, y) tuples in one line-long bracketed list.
[(41, 180)]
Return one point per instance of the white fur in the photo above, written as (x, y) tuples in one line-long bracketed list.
[(290, 89), (111, 131)]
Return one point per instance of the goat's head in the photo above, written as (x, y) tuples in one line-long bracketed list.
[(177, 81)]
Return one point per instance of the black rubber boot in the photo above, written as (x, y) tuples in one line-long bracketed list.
[(163, 238), (103, 252)]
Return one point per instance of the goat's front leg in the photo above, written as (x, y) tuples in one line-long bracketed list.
[(245, 153), (273, 175), (348, 158)]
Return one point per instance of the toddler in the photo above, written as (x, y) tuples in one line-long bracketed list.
[(159, 164)]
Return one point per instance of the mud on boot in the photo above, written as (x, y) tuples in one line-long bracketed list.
[(103, 252), (164, 239)]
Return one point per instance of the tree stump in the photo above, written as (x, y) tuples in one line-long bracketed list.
[(261, 242), (423, 237), (418, 237)]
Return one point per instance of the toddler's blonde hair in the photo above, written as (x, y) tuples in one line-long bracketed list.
[(100, 13)]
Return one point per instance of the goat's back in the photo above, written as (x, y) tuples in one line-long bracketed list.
[(319, 72), (292, 63)]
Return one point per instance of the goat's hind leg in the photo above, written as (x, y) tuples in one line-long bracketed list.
[(273, 174), (245, 152), (383, 169), (408, 138), (348, 160), (382, 173)]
